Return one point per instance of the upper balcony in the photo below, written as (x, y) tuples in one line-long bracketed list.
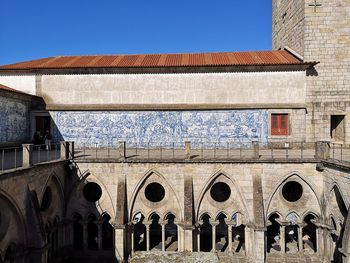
[(168, 152)]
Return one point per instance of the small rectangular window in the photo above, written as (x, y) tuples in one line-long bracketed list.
[(279, 124), (337, 131)]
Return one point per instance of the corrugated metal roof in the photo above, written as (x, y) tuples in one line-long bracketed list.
[(258, 58)]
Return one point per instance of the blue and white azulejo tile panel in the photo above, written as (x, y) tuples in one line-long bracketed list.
[(166, 127), (14, 120)]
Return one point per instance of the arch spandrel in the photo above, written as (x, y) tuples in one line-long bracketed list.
[(309, 200), (78, 203), (170, 203), (234, 203)]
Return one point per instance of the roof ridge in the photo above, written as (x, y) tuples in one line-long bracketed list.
[(197, 59)]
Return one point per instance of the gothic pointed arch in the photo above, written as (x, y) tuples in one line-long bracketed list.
[(221, 194), (338, 211), (12, 224), (90, 195), (154, 193), (51, 198), (289, 193)]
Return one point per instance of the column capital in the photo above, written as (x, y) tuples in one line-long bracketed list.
[(147, 223), (163, 222), (301, 225), (118, 226), (231, 223), (213, 223)]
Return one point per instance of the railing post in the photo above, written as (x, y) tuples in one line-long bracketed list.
[(188, 150), (71, 149), (122, 149), (322, 150), (64, 150), (255, 145), (27, 155)]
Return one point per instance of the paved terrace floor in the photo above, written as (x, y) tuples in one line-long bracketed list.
[(12, 158), (197, 155)]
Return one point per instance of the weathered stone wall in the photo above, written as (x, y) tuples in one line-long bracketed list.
[(21, 195), (327, 39), (323, 35), (23, 82), (288, 24), (273, 176), (151, 90)]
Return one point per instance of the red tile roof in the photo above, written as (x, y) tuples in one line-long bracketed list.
[(258, 58)]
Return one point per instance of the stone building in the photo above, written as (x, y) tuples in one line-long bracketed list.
[(218, 157)]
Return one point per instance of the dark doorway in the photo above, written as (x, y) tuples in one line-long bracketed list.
[(42, 124), (337, 127)]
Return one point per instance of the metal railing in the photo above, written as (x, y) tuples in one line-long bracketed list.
[(340, 152), (45, 153), (232, 150), (28, 154), (11, 158)]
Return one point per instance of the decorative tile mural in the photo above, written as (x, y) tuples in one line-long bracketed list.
[(14, 120), (165, 127)]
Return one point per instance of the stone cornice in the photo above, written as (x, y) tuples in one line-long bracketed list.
[(130, 107), (162, 70)]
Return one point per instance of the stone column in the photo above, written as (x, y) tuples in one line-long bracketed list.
[(213, 227), (99, 224), (147, 224), (64, 155), (120, 241), (85, 233), (132, 228), (259, 244), (300, 238), (229, 225), (198, 225), (122, 149), (27, 155), (68, 231), (71, 149), (163, 235), (247, 240), (255, 145), (328, 244), (283, 238), (188, 150), (322, 150), (187, 237), (179, 238), (319, 240)]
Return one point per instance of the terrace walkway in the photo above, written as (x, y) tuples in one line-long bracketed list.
[(27, 155)]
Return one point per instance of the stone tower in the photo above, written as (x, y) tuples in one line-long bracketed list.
[(320, 31)]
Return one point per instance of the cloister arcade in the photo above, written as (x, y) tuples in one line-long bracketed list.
[(155, 219)]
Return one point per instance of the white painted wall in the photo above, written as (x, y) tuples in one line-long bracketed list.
[(203, 88), (24, 83)]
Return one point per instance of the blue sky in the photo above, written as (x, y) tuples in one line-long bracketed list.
[(32, 29)]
